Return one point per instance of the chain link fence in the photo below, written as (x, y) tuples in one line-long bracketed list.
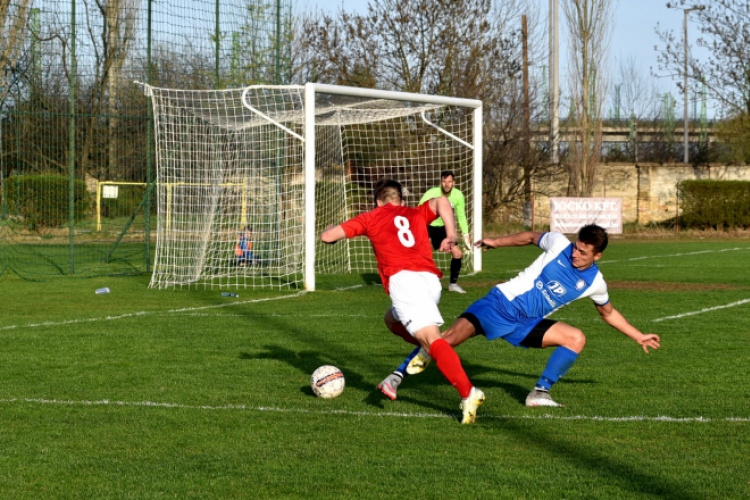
[(76, 133)]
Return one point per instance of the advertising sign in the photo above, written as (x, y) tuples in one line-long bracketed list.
[(568, 215)]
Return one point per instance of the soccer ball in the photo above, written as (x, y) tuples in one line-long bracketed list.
[(327, 382)]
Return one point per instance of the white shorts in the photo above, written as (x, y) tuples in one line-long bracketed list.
[(415, 297)]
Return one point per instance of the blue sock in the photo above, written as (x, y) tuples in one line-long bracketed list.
[(559, 362), (401, 370)]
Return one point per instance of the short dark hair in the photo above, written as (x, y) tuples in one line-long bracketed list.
[(595, 236), (387, 190), (446, 173)]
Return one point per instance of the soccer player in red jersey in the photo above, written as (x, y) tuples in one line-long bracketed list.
[(404, 255)]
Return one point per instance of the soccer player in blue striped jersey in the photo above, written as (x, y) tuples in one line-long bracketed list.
[(517, 310)]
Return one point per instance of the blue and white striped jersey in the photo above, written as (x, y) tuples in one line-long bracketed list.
[(551, 281)]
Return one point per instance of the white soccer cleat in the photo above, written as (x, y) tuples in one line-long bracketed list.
[(389, 386), (469, 405), (541, 398), (453, 287), (418, 362)]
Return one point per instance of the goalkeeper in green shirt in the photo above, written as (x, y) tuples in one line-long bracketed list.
[(436, 230)]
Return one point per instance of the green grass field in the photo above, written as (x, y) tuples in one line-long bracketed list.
[(149, 394)]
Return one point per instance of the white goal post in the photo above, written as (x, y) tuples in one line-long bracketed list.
[(284, 162)]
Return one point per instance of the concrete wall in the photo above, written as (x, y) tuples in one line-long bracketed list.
[(648, 192)]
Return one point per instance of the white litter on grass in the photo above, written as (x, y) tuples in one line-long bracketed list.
[(382, 414)]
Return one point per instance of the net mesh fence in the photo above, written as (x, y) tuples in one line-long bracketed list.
[(76, 139)]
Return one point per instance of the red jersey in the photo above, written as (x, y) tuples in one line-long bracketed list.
[(399, 238)]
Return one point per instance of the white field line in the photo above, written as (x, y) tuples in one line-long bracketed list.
[(322, 315), (354, 287), (632, 259), (343, 289), (147, 313), (708, 309), (544, 416), (683, 254)]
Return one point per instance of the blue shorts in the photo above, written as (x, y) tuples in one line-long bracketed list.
[(500, 319)]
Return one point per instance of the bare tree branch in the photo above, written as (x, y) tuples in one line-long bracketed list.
[(589, 24)]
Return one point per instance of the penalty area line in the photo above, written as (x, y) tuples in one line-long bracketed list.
[(384, 414), (707, 309)]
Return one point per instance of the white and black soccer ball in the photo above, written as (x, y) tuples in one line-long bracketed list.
[(327, 382)]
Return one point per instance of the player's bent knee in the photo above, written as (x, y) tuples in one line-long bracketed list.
[(564, 335), (389, 319), (460, 331), (576, 340), (449, 335), (427, 335)]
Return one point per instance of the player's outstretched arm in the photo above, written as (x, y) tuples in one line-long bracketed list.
[(460, 209), (511, 240), (332, 234), (442, 207), (616, 320)]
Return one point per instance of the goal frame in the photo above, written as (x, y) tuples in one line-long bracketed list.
[(304, 134), (310, 89)]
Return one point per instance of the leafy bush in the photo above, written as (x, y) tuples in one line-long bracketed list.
[(42, 200), (715, 204)]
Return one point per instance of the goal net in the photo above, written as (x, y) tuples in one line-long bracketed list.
[(248, 178)]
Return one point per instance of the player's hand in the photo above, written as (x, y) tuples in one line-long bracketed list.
[(650, 340), (328, 228), (485, 244), (447, 245), (467, 241)]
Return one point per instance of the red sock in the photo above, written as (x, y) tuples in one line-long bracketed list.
[(449, 364), (400, 330)]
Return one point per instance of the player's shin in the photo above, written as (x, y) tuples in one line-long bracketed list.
[(558, 365), (449, 364), (455, 269), (402, 367)]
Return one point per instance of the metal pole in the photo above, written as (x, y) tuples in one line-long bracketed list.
[(72, 138), (4, 212), (278, 43), (685, 110), (309, 172), (554, 84), (526, 124), (677, 208), (149, 146), (685, 12), (217, 47), (477, 179)]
